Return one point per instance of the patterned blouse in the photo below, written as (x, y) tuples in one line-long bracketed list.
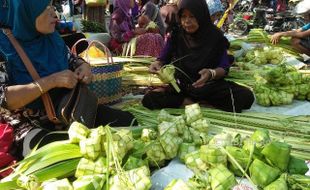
[(24, 119)]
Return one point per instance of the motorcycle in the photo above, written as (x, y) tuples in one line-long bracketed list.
[(268, 20)]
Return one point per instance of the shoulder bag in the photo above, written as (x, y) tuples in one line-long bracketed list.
[(79, 104)]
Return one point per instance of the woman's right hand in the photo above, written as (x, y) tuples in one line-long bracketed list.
[(155, 67), (64, 79)]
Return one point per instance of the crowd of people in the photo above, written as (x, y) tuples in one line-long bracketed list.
[(184, 35)]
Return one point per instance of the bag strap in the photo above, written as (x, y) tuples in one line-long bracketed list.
[(47, 101)]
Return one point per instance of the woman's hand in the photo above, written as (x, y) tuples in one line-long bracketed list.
[(205, 76), (275, 38), (84, 73), (155, 67), (64, 79)]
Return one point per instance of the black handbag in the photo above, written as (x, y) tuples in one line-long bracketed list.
[(79, 104)]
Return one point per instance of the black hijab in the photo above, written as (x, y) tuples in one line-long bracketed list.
[(204, 48)]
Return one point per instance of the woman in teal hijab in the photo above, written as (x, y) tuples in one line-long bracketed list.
[(33, 25), (47, 52)]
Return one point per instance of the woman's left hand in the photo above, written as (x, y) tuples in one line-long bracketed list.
[(84, 73), (205, 75)]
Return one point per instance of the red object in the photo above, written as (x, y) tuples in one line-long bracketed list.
[(6, 140), (247, 17)]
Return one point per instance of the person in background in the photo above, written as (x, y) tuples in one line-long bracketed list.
[(152, 12), (33, 24), (122, 30), (146, 23), (199, 50), (300, 38), (215, 9), (169, 14)]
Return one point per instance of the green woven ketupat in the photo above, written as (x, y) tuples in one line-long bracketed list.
[(186, 148), (170, 145), (89, 182), (213, 155), (148, 134), (77, 132), (297, 166), (263, 174), (222, 178), (119, 148), (91, 148), (125, 136), (194, 162), (99, 131), (89, 167), (136, 179), (167, 127), (187, 137), (279, 184), (198, 137), (192, 113), (177, 184), (165, 116), (248, 145), (62, 184), (155, 153), (241, 156), (277, 154), (201, 125), (221, 140), (180, 124)]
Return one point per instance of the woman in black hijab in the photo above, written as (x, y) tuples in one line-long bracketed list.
[(199, 49)]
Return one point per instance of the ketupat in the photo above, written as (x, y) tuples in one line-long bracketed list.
[(186, 148), (201, 125), (89, 167), (212, 155), (194, 162), (280, 183), (77, 132), (166, 74), (221, 140), (222, 178), (62, 184), (260, 137), (89, 182), (241, 156), (170, 145), (277, 154), (155, 153), (263, 174), (164, 116), (148, 135), (192, 113), (135, 179), (91, 147)]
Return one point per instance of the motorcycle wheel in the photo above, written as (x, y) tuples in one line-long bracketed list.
[(240, 27)]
